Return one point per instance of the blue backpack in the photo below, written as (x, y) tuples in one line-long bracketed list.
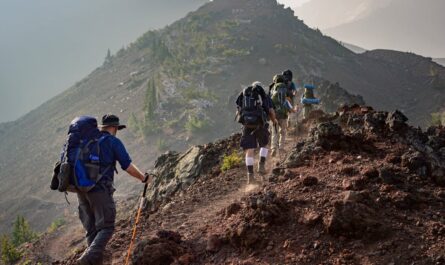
[(80, 159)]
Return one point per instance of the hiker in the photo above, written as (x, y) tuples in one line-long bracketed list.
[(282, 106), (254, 108), (97, 210), (291, 92), (308, 100)]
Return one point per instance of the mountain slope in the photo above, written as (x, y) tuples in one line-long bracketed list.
[(176, 86), (405, 25)]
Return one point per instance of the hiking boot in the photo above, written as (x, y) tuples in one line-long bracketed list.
[(274, 153), (251, 179), (262, 168), (83, 260), (89, 259)]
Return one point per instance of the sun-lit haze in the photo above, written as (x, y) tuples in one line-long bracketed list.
[(48, 45), (293, 3), (405, 25)]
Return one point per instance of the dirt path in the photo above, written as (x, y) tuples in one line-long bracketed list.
[(72, 237)]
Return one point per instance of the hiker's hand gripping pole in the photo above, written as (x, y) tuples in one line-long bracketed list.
[(141, 206)]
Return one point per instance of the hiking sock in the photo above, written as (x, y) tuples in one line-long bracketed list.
[(249, 164), (263, 154)]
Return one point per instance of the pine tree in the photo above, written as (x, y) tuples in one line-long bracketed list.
[(22, 232), (150, 103), (108, 58)]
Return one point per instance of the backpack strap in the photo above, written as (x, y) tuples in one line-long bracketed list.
[(99, 142)]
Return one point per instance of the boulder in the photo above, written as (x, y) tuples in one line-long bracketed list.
[(353, 220), (310, 181), (164, 249), (396, 121), (174, 172), (389, 176), (416, 163), (214, 243)]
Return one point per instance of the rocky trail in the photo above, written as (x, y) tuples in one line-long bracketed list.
[(362, 187)]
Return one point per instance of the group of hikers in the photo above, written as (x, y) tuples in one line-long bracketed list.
[(88, 161), (256, 109)]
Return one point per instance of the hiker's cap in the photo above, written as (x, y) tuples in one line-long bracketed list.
[(111, 120)]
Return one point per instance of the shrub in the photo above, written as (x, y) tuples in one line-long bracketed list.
[(196, 125), (9, 253), (438, 119), (162, 145), (56, 224), (231, 161)]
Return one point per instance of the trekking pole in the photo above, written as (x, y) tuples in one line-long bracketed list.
[(141, 205)]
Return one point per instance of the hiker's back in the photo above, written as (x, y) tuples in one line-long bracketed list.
[(279, 98), (251, 104)]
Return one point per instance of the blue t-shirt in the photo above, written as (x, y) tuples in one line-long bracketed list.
[(112, 150)]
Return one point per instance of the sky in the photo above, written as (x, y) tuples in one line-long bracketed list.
[(46, 46), (293, 2)]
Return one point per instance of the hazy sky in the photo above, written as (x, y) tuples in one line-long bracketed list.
[(293, 2), (48, 45)]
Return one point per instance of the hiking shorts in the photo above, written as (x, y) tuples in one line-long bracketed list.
[(255, 137)]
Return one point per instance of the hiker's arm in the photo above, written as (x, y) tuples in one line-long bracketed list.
[(135, 172), (125, 161)]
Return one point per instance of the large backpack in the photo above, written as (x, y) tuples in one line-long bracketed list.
[(80, 159), (252, 113), (278, 95)]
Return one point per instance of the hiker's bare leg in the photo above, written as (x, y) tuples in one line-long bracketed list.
[(250, 160)]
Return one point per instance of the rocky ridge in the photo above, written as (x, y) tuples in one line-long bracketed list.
[(362, 188)]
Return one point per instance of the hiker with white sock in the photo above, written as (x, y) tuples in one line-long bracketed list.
[(254, 109)]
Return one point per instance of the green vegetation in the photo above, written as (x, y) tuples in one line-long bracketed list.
[(55, 225), (438, 119), (9, 253), (22, 232), (235, 53), (108, 58), (29, 262), (136, 82), (134, 123), (153, 40), (162, 145), (149, 125), (231, 161), (195, 125), (193, 93)]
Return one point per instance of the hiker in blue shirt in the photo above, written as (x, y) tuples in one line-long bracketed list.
[(97, 210)]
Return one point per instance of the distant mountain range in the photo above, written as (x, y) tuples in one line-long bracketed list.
[(176, 87), (404, 25)]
